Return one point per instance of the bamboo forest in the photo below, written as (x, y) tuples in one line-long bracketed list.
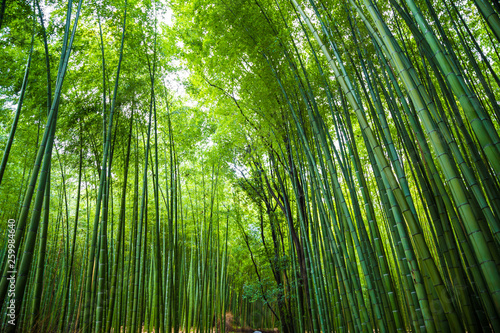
[(250, 166)]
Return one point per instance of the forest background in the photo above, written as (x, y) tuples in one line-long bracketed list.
[(302, 165)]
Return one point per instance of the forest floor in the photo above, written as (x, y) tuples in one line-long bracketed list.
[(229, 327)]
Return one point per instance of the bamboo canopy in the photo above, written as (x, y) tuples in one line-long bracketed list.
[(231, 166)]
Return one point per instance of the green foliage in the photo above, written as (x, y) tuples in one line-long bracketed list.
[(312, 165)]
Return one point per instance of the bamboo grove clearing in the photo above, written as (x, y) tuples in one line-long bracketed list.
[(234, 165)]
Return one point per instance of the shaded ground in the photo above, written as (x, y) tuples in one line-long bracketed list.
[(230, 327)]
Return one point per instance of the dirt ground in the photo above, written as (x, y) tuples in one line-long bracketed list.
[(229, 327)]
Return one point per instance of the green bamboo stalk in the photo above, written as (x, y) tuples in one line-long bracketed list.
[(13, 128)]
